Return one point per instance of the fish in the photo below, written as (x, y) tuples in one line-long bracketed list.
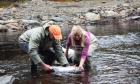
[(68, 69)]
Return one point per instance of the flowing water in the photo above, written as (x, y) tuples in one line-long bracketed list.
[(116, 60)]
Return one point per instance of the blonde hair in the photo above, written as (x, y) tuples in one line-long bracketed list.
[(77, 29)]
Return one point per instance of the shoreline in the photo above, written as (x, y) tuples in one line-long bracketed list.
[(79, 12)]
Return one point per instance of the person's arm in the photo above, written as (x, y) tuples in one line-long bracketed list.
[(59, 53), (33, 51), (66, 52), (68, 44), (84, 52), (46, 67), (81, 64)]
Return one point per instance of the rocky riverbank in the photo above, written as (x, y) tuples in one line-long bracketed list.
[(33, 13)]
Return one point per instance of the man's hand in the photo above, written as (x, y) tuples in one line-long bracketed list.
[(45, 66)]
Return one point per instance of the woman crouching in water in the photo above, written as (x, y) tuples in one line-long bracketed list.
[(84, 43)]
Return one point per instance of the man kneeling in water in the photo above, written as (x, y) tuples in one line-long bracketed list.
[(37, 41)]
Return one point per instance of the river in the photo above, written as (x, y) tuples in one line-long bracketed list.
[(116, 60)]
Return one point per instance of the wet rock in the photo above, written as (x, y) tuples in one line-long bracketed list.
[(131, 18), (7, 79), (2, 71), (135, 17)]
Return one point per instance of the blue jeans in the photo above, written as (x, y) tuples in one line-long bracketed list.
[(24, 46)]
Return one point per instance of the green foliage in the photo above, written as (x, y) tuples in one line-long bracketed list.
[(6, 3), (12, 0)]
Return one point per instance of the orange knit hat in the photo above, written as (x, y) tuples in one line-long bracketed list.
[(56, 31)]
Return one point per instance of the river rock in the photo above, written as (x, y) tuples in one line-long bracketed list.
[(8, 21), (126, 4), (2, 21), (6, 79), (111, 14), (11, 21), (123, 13), (57, 19), (45, 18), (138, 9), (92, 16), (2, 71), (14, 9), (13, 26), (69, 10), (3, 28), (33, 22), (135, 17)]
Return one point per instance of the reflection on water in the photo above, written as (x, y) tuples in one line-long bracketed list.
[(116, 60)]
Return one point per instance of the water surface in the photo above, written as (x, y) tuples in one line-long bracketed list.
[(117, 59)]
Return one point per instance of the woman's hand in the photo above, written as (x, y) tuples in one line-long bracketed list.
[(81, 64), (81, 68)]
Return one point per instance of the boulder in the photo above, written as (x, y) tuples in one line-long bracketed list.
[(111, 14), (92, 16)]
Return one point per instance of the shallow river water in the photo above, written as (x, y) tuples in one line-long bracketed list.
[(116, 60)]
